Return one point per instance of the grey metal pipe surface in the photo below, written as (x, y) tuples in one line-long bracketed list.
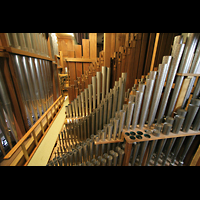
[(94, 91), (3, 125), (82, 103), (121, 85), (129, 114), (76, 106), (70, 110), (90, 97), (195, 102), (121, 156), (166, 128), (79, 105), (177, 149), (177, 124), (91, 149), (4, 98), (160, 148), (121, 123), (170, 79), (110, 128), (109, 159), (93, 122), (104, 69), (86, 100), (103, 134), (183, 67), (168, 149), (151, 150), (109, 108), (105, 109), (73, 109), (97, 120), (116, 124), (101, 117), (115, 98), (181, 112), (135, 152), (192, 111), (196, 122), (108, 79), (196, 90), (136, 112), (193, 69), (44, 81), (163, 69), (25, 93), (115, 158), (98, 76), (143, 149), (36, 86), (146, 102), (124, 76), (186, 148)]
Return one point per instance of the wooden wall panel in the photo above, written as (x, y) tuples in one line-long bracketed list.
[(142, 54), (78, 54), (86, 53), (107, 49), (149, 53), (72, 67)]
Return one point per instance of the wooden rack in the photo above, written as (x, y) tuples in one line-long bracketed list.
[(32, 139)]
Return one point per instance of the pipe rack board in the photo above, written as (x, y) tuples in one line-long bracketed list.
[(162, 136), (42, 154)]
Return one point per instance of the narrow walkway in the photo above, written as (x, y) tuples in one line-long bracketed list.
[(42, 154)]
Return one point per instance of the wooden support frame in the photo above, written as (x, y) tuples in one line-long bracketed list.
[(32, 130)]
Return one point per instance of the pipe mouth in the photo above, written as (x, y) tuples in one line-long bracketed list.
[(132, 137), (139, 133), (147, 135), (127, 133), (138, 136), (132, 133)]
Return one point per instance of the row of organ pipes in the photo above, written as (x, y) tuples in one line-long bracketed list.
[(101, 114)]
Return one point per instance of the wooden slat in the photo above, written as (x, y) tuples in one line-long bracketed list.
[(107, 49), (26, 53), (79, 59), (93, 45), (187, 74)]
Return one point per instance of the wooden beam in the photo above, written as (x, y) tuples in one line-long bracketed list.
[(154, 51), (127, 153), (26, 53), (79, 59)]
